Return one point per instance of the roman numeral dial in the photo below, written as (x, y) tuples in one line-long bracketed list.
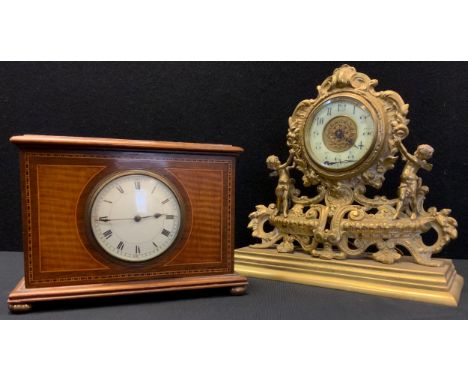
[(135, 216)]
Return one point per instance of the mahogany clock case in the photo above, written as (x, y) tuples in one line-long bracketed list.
[(58, 177), (245, 104)]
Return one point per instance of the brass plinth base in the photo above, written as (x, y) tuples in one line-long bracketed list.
[(404, 280)]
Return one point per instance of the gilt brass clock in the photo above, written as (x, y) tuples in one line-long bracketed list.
[(326, 230), (121, 217)]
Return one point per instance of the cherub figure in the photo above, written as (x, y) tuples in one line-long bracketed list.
[(410, 182), (284, 186)]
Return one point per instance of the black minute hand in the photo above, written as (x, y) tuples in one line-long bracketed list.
[(106, 219), (137, 218), (327, 163), (158, 215)]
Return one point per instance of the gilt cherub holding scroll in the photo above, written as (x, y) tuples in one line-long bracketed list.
[(410, 182), (284, 186)]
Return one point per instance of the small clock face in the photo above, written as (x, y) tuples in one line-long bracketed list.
[(341, 134), (135, 216)]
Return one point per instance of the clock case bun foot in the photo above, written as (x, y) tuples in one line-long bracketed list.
[(21, 298), (238, 290), (19, 308)]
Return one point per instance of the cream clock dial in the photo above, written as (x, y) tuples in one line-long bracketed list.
[(340, 134), (135, 216)]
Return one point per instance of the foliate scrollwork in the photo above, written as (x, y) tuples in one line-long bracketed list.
[(294, 141), (445, 226), (304, 200), (258, 219), (346, 77), (338, 194), (396, 111), (379, 200)]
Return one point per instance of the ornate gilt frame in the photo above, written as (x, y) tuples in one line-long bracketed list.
[(388, 111)]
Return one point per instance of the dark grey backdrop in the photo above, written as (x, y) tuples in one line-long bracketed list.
[(244, 104)]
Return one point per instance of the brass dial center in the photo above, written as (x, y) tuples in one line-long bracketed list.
[(340, 134)]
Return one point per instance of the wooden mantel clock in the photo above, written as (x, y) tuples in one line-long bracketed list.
[(106, 217)]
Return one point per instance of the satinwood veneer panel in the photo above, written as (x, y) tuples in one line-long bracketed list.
[(58, 247)]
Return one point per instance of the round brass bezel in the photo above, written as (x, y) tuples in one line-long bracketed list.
[(372, 154), (104, 182)]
